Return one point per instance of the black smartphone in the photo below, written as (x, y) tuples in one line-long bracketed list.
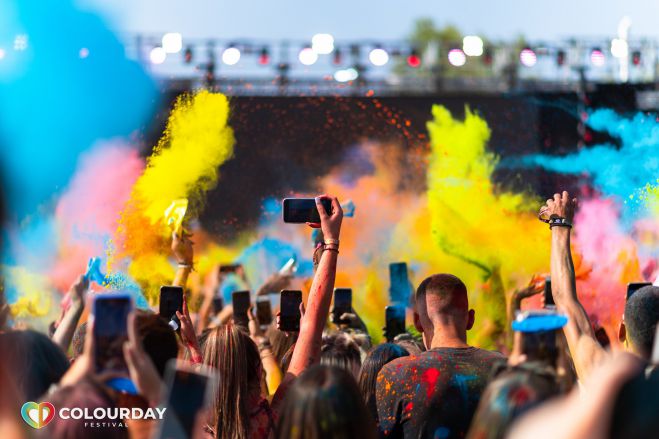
[(189, 392), (171, 300), (635, 286), (289, 317), (240, 301), (111, 331), (549, 299), (342, 304), (232, 268), (263, 310), (303, 210), (218, 304), (540, 346), (399, 283), (394, 317)]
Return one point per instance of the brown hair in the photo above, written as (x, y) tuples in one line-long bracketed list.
[(235, 357)]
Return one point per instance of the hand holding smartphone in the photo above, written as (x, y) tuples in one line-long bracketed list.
[(289, 317), (263, 311), (394, 316), (110, 312), (304, 210), (342, 304), (241, 303), (171, 300)]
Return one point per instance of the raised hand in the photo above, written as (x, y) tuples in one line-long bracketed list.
[(182, 248), (560, 206)]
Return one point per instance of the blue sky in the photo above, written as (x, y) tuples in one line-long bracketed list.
[(384, 19)]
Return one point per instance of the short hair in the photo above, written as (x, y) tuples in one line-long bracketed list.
[(340, 350), (641, 316), (158, 339), (449, 289)]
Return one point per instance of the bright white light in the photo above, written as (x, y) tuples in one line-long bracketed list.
[(20, 42), (172, 42), (378, 57), (619, 48), (322, 44), (528, 57), (457, 57), (308, 56), (597, 58), (158, 55), (83, 53), (346, 75), (2, 53), (472, 45), (231, 56)]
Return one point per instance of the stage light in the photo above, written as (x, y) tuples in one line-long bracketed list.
[(188, 55), (560, 57), (346, 75), (172, 42), (527, 57), (308, 56), (322, 44), (472, 45), (231, 56), (83, 53), (636, 57), (158, 55), (413, 59), (264, 56), (378, 57), (619, 48), (20, 42), (457, 57), (338, 57), (597, 57)]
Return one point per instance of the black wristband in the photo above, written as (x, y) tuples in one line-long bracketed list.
[(560, 222)]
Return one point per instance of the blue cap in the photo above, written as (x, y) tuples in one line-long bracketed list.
[(540, 320)]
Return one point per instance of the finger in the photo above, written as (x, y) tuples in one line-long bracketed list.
[(132, 332), (565, 197), (180, 316), (321, 209), (557, 198), (186, 311), (302, 310), (549, 202), (250, 313), (336, 207), (314, 225)]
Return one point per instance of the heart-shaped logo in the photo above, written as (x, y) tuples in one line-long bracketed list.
[(37, 415)]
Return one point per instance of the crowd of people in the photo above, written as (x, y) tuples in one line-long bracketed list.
[(328, 380)]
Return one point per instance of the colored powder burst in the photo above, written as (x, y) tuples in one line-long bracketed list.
[(29, 295), (618, 171), (184, 164)]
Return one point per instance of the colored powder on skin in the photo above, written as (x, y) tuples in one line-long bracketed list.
[(184, 164)]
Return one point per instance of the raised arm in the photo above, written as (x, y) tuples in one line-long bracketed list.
[(584, 348), (183, 252), (66, 328)]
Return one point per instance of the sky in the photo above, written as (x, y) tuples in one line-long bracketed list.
[(538, 20)]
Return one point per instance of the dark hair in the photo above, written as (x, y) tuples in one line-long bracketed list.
[(235, 357), (158, 339), (511, 394), (324, 403), (279, 341), (373, 363), (340, 350), (86, 394), (34, 360), (451, 291), (641, 316)]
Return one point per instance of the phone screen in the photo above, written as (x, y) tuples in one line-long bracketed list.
[(399, 290), (218, 304), (540, 346), (342, 303), (635, 286), (263, 311), (549, 299), (111, 330), (240, 301), (187, 396), (394, 321), (289, 318), (171, 300), (303, 210), (232, 268)]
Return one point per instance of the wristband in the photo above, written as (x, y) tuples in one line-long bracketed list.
[(186, 266), (330, 241), (333, 249), (262, 346), (560, 222)]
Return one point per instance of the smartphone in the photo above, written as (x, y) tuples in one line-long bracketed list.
[(189, 391), (540, 346), (218, 304), (231, 268), (289, 317), (240, 301), (263, 311), (110, 313), (171, 300), (394, 317), (549, 299), (399, 283), (303, 210), (342, 304), (635, 286), (289, 268)]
